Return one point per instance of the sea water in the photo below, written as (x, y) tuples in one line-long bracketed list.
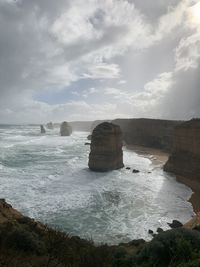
[(47, 178)]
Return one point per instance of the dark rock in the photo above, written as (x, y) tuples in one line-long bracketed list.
[(135, 171), (87, 144), (106, 148), (65, 129), (159, 230), (137, 242), (150, 231), (89, 137), (128, 168), (42, 129), (175, 224)]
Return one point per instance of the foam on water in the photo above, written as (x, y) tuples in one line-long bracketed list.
[(46, 177)]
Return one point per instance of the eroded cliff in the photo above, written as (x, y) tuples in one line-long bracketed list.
[(185, 158), (148, 132)]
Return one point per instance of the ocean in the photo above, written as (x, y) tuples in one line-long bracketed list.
[(46, 177)]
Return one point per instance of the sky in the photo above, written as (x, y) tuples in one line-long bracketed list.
[(87, 60)]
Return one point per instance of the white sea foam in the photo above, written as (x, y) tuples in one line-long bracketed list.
[(46, 177)]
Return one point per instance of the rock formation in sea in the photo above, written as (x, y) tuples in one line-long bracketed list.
[(65, 129), (42, 129), (106, 148), (50, 125), (185, 158)]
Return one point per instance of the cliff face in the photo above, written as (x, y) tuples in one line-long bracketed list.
[(84, 126), (106, 148), (185, 158), (65, 129), (148, 132)]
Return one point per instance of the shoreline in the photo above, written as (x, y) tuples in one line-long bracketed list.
[(160, 158)]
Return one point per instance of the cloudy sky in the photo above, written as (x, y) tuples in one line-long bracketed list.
[(99, 59)]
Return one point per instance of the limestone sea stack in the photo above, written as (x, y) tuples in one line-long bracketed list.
[(50, 125), (106, 148), (185, 158), (42, 129), (65, 129)]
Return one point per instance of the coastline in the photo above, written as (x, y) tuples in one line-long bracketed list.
[(157, 156), (195, 186), (160, 158)]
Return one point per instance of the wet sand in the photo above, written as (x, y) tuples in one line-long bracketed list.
[(159, 157), (195, 186), (155, 155)]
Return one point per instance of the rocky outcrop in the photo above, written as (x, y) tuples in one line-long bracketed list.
[(50, 125), (89, 137), (65, 129), (148, 132), (185, 158), (7, 213), (106, 148), (194, 223), (42, 129)]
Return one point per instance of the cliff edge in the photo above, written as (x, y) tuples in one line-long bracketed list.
[(185, 158)]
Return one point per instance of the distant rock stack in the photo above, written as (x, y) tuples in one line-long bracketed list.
[(106, 148), (65, 129), (50, 125), (42, 129)]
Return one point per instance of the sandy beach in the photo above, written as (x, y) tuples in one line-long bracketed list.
[(155, 155), (159, 157), (195, 186)]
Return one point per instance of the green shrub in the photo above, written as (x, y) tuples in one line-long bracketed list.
[(170, 248), (23, 240)]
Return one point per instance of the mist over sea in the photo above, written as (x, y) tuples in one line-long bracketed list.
[(46, 177)]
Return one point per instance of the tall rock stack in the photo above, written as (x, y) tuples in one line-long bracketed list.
[(42, 129), (65, 129), (185, 158), (106, 148)]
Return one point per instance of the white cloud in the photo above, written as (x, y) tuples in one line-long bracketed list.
[(103, 71), (102, 45), (188, 52)]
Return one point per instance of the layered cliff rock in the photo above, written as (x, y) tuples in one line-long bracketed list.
[(148, 132), (65, 129), (106, 148), (185, 158)]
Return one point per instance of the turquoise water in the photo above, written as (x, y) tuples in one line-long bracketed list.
[(46, 177)]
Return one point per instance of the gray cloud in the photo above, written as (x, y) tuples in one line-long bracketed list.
[(154, 48)]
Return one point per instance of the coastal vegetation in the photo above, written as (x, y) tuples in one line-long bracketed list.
[(25, 242)]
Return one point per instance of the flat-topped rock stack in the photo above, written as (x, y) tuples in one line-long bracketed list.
[(106, 148), (65, 129), (42, 129)]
